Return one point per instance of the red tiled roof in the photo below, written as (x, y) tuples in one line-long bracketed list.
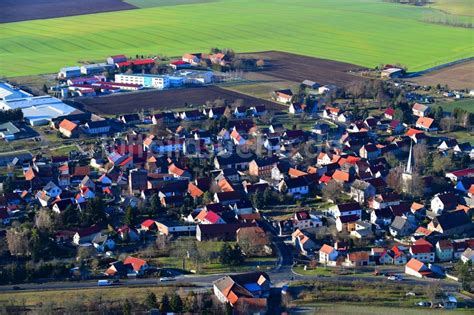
[(67, 125), (136, 263)]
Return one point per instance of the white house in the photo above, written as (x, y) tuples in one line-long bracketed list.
[(328, 255)]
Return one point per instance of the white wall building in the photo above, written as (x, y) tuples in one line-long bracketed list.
[(146, 80)]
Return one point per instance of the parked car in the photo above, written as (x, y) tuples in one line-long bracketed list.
[(166, 279)]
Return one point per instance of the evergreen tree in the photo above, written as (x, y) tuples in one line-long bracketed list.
[(94, 212), (150, 300), (165, 303), (8, 185), (129, 216), (176, 304), (155, 203), (127, 307)]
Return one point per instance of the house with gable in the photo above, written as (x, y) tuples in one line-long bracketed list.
[(328, 255)]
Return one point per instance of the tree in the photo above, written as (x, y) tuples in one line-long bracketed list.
[(8, 185), (434, 291), (126, 307), (332, 190), (176, 304), (44, 221), (129, 217), (442, 163), (438, 114), (465, 275), (45, 89), (150, 300), (267, 196), (421, 156), (257, 200), (394, 178), (447, 123), (231, 255), (164, 304), (18, 242), (94, 212)]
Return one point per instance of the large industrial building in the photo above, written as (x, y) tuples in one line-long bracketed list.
[(37, 110), (145, 80)]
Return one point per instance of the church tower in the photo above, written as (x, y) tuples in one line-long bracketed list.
[(407, 174)]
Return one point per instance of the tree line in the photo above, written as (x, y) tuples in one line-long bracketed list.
[(11, 115)]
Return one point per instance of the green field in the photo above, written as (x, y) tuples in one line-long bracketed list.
[(466, 104), (364, 32)]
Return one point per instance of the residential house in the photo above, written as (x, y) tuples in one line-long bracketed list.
[(443, 202), (426, 124), (394, 256), (222, 232), (423, 251), (130, 119), (139, 266), (369, 151), (294, 186), (303, 243), (347, 223), (137, 180), (468, 256), (86, 235), (444, 250), (361, 191), (328, 255), (283, 96), (262, 167), (346, 209), (401, 227), (296, 108), (420, 110), (382, 217), (357, 259), (417, 268), (451, 223), (303, 220), (389, 113), (247, 290)]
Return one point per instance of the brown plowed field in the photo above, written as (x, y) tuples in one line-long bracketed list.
[(23, 10), (167, 99), (297, 68), (460, 76)]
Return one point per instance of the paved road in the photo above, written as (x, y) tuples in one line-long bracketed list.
[(281, 274)]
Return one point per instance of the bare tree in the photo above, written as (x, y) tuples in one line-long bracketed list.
[(332, 190), (18, 242), (44, 221), (394, 178), (447, 123), (421, 156)]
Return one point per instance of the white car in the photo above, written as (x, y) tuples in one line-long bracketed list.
[(166, 279)]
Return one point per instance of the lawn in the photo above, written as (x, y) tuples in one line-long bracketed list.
[(363, 32), (466, 104)]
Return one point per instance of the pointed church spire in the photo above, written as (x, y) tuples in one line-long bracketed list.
[(409, 168)]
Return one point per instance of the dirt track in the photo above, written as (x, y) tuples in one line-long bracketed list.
[(23, 10), (297, 68), (168, 99)]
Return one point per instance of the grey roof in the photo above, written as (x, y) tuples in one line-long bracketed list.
[(9, 128), (398, 223)]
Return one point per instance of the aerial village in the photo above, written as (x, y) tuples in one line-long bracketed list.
[(233, 190)]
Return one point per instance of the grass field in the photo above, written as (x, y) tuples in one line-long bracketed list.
[(363, 32), (466, 104)]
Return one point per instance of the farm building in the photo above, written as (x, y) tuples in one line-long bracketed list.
[(9, 92), (69, 72), (112, 60), (391, 73), (95, 68)]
